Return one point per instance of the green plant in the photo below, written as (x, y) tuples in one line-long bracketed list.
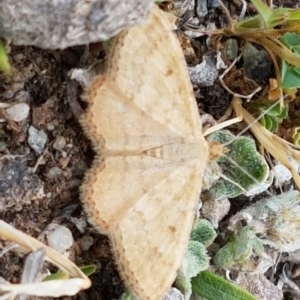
[(275, 30), (290, 74), (277, 221), (87, 270), (4, 62), (196, 259), (240, 170), (281, 214), (213, 287), (279, 148), (271, 115), (239, 249)]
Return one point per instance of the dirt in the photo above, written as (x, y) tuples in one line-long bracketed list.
[(41, 80)]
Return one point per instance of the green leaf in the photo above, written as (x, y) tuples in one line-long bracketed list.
[(56, 276), (274, 124), (242, 243), (195, 261), (284, 113), (291, 77), (214, 287), (284, 67), (293, 15), (262, 121), (203, 232), (237, 164), (290, 39), (88, 270), (264, 11), (269, 122), (4, 62), (224, 257), (275, 111), (127, 296), (258, 245), (248, 24), (296, 49), (239, 249), (296, 139)]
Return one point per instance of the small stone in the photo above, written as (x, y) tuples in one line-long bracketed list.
[(73, 183), (18, 112), (215, 211), (2, 146), (205, 73), (37, 139), (60, 239), (85, 242), (50, 126), (60, 143), (81, 166), (201, 8), (173, 294), (17, 86), (54, 172), (257, 63), (22, 97), (282, 174), (213, 3), (64, 161)]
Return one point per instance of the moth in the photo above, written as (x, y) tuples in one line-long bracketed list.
[(143, 188)]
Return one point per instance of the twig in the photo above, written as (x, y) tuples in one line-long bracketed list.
[(228, 89), (227, 13)]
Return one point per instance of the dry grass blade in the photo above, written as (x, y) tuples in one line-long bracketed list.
[(55, 288), (32, 267)]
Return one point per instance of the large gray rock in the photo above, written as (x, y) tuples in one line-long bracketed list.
[(53, 24)]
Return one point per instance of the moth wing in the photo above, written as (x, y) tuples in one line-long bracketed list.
[(151, 239), (156, 81)]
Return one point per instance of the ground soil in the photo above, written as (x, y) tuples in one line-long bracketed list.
[(41, 80)]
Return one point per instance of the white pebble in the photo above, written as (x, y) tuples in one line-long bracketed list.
[(60, 143), (60, 239), (50, 126), (18, 112), (36, 139), (282, 174)]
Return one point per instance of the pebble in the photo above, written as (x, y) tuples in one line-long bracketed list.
[(173, 294), (60, 239), (85, 242), (54, 172), (3, 146), (282, 174), (18, 112), (213, 3), (37, 139), (201, 8), (50, 126), (257, 63), (60, 143)]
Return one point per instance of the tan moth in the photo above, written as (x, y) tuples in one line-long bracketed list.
[(144, 186)]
